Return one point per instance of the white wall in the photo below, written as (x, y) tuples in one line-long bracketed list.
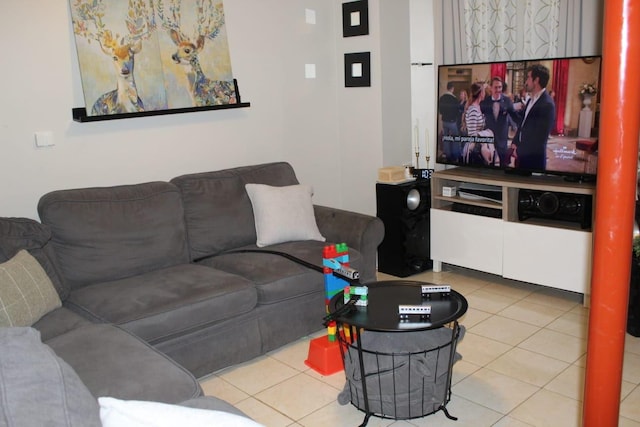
[(396, 87), (423, 81), (332, 135)]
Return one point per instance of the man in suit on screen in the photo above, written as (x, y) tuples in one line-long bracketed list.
[(535, 121), (496, 109)]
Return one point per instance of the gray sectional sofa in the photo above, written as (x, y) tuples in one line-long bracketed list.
[(162, 282)]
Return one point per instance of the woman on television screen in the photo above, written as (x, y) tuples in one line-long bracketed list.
[(478, 146)]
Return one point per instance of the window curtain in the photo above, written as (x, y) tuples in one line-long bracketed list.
[(560, 78), (499, 69), (494, 30)]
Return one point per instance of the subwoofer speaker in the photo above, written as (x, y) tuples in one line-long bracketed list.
[(555, 206), (404, 210)]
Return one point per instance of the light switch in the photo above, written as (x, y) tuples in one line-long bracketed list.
[(44, 139), (309, 71), (310, 16)]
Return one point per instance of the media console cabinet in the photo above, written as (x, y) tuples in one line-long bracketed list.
[(542, 251)]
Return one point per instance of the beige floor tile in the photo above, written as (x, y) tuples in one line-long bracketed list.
[(555, 344), (494, 390), (630, 406), (571, 323), (631, 368), (334, 414), (480, 350), (384, 276), (216, 386), (632, 344), (556, 298), (473, 317), (626, 422), (465, 288), (626, 389), (293, 354), (508, 421), (462, 369), (511, 288), (430, 277), (336, 380), (489, 302), (569, 383), (258, 375), (263, 414), (527, 366), (529, 312), (298, 396), (580, 309), (466, 283), (548, 409), (469, 414), (582, 361), (505, 330)]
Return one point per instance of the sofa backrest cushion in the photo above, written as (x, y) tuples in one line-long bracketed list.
[(24, 233), (217, 208), (109, 233)]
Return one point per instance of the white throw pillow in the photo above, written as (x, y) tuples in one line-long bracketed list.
[(26, 292), (136, 413), (283, 214)]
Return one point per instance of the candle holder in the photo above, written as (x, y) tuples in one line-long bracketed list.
[(417, 159)]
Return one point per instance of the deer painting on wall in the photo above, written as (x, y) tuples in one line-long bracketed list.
[(189, 47), (139, 21)]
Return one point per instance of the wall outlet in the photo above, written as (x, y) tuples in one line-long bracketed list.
[(44, 139)]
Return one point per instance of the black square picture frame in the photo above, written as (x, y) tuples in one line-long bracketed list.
[(355, 18), (357, 69)]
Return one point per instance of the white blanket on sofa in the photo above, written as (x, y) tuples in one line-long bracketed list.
[(134, 413)]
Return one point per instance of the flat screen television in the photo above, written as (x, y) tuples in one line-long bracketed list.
[(525, 130)]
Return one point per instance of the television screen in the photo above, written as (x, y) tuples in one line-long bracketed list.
[(529, 116)]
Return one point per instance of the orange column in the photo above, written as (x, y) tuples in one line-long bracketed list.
[(615, 204)]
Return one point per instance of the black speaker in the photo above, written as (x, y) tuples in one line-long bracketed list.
[(404, 210), (555, 206)]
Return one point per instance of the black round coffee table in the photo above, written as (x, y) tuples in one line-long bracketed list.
[(427, 341)]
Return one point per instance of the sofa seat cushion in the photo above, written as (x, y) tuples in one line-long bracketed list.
[(277, 278), (112, 362), (159, 304)]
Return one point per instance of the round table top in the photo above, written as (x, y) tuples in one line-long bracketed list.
[(384, 297)]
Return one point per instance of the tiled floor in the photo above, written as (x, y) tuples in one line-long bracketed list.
[(523, 359)]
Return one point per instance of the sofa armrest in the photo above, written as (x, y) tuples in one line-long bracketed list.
[(359, 231)]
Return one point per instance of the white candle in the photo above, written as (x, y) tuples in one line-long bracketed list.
[(416, 137), (426, 141)]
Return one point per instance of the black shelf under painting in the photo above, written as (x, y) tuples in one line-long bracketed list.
[(80, 114)]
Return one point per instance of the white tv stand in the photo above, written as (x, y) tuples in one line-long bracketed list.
[(545, 252)]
